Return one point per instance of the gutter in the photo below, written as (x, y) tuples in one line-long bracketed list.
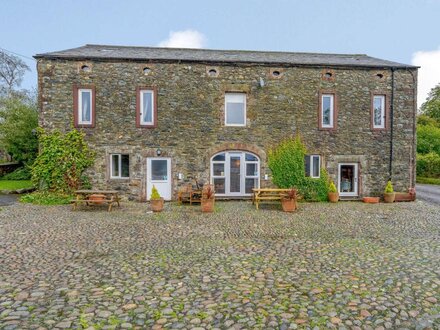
[(391, 124)]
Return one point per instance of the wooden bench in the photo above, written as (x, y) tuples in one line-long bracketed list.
[(267, 194), (83, 197)]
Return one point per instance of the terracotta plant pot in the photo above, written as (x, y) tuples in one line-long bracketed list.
[(389, 197), (333, 197), (156, 205), (289, 205), (207, 205), (97, 198), (371, 200)]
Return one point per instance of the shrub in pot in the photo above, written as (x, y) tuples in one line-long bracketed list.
[(389, 194), (156, 202), (333, 195), (288, 202), (208, 198)]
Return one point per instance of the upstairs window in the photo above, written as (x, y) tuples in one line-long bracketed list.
[(235, 109), (119, 166), (84, 107), (312, 165), (146, 107), (327, 111), (378, 112)]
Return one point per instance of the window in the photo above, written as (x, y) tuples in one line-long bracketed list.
[(119, 166), (235, 109), (84, 106), (378, 111), (327, 111), (313, 165), (235, 173), (146, 107)]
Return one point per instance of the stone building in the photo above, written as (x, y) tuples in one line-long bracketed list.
[(168, 116)]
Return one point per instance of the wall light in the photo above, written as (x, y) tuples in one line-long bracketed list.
[(158, 152)]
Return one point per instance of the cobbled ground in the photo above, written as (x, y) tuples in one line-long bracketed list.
[(344, 266)]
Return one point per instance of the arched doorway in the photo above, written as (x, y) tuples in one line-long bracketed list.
[(235, 173)]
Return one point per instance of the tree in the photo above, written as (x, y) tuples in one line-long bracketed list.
[(12, 70), (18, 121), (431, 107)]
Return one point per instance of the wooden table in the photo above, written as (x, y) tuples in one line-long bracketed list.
[(268, 194), (83, 197)]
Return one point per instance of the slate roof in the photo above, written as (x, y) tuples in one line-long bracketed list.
[(105, 52)]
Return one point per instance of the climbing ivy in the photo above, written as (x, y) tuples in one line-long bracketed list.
[(61, 161), (286, 161)]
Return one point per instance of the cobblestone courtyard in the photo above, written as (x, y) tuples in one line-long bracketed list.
[(344, 266)]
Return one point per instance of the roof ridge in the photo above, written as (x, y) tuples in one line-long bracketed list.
[(222, 50)]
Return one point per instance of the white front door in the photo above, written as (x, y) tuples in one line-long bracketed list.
[(159, 175), (348, 182)]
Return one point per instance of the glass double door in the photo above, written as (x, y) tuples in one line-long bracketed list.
[(234, 173)]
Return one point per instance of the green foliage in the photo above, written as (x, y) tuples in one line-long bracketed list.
[(286, 162), (431, 107), (18, 121), (332, 187), (15, 184), (389, 187), (46, 198), (428, 139), (62, 160), (154, 193), (421, 179), (428, 165), (427, 121), (21, 173)]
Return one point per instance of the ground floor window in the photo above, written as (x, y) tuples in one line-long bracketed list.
[(119, 166), (235, 173), (312, 165)]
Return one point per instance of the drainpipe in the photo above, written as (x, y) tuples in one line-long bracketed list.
[(391, 123)]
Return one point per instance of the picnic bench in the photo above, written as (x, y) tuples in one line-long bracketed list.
[(267, 194), (111, 198)]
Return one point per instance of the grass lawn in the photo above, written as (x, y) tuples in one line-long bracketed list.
[(15, 184), (428, 180)]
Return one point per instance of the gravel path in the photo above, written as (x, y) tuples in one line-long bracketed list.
[(345, 266)]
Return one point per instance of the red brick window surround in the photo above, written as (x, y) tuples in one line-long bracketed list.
[(327, 111), (84, 106), (146, 107), (379, 111)]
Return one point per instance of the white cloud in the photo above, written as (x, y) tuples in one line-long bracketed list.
[(429, 73), (184, 39)]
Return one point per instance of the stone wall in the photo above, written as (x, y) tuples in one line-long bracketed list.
[(191, 117)]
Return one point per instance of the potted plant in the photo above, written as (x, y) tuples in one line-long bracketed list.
[(97, 198), (389, 194), (156, 201), (288, 201), (208, 198), (333, 195)]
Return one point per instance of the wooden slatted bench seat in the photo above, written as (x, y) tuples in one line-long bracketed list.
[(267, 194)]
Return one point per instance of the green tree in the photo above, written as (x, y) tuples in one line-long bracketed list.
[(431, 107), (18, 121)]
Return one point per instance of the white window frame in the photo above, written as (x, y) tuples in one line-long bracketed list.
[(243, 175), (229, 95), (332, 110), (312, 168), (141, 107), (382, 103), (120, 166), (80, 117)]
